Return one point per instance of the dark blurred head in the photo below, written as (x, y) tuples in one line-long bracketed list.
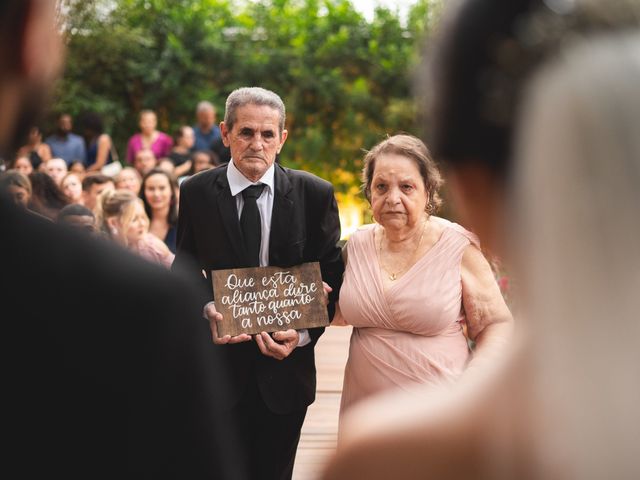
[(91, 125), (31, 54), (78, 216), (65, 124)]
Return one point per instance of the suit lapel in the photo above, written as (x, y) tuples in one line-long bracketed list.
[(281, 214), (229, 214)]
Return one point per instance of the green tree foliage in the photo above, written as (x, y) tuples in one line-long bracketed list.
[(345, 80)]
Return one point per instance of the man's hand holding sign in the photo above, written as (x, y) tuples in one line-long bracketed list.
[(256, 301)]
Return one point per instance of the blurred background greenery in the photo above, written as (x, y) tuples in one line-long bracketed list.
[(345, 77)]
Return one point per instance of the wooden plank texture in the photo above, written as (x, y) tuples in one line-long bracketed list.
[(320, 429)]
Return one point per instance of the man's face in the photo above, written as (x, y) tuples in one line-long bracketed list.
[(64, 124), (255, 139), (206, 117), (91, 196), (148, 123), (56, 168), (144, 161), (84, 223)]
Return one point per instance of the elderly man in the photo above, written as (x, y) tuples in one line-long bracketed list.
[(111, 363), (272, 376)]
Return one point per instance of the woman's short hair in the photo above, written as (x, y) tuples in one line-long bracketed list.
[(413, 148)]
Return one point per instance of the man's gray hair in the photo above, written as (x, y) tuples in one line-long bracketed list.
[(252, 96), (205, 105)]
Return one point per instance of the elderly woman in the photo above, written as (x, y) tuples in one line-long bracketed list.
[(414, 283)]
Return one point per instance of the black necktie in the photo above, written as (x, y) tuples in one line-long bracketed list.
[(250, 223)]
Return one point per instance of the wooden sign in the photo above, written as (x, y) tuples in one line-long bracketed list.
[(268, 299)]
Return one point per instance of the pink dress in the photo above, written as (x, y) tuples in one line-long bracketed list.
[(411, 333), (161, 147), (155, 250)]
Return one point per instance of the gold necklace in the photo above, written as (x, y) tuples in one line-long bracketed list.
[(393, 276)]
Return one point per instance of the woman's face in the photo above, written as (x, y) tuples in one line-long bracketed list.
[(201, 161), (157, 191), (138, 224), (188, 137), (23, 165), (398, 195), (72, 187), (129, 180), (148, 122)]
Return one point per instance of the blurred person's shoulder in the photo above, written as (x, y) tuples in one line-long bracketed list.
[(59, 263)]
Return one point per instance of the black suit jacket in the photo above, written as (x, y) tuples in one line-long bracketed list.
[(109, 367), (304, 228)]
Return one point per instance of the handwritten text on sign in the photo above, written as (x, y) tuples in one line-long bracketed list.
[(268, 299)]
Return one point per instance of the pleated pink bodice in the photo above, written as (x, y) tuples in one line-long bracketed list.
[(410, 333)]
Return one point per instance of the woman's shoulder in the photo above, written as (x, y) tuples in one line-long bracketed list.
[(363, 231), (361, 235), (457, 230), (165, 137)]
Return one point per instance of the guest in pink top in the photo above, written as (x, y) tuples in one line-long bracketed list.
[(417, 288), (149, 138)]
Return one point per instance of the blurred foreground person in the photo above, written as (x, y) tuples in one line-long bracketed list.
[(551, 131), (112, 372)]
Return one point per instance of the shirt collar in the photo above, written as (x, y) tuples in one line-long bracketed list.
[(238, 182)]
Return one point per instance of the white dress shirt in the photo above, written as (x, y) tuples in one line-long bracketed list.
[(237, 183)]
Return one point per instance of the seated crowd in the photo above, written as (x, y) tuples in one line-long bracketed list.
[(66, 177)]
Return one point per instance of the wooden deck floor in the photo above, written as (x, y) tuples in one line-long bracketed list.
[(319, 432)]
